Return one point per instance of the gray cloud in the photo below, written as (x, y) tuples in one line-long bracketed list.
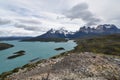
[(4, 21), (15, 32), (80, 11), (19, 10), (26, 27), (30, 27), (31, 21)]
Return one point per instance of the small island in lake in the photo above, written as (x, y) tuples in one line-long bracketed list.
[(17, 54), (35, 59), (60, 48), (4, 46)]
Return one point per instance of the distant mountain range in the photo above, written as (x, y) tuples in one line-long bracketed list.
[(105, 29), (14, 38), (83, 32), (62, 34)]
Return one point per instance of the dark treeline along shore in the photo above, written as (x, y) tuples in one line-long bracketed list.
[(46, 40)]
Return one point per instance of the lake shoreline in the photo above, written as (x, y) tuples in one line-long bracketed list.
[(33, 64), (53, 49), (4, 46)]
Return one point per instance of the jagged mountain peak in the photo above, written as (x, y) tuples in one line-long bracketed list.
[(61, 30), (106, 26), (84, 31), (111, 28), (51, 30), (56, 33)]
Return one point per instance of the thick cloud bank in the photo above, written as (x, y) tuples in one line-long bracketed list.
[(80, 11)]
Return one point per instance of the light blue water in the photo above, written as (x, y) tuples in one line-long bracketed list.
[(43, 50)]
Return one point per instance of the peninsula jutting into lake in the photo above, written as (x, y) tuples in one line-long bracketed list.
[(4, 46)]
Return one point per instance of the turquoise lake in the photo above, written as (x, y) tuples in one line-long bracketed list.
[(43, 50)]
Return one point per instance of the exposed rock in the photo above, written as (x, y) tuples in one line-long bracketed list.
[(75, 66)]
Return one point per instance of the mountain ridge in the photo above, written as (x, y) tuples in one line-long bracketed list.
[(52, 34)]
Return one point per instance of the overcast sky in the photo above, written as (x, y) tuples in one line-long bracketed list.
[(35, 17)]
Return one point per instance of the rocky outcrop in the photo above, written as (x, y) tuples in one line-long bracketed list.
[(73, 66)]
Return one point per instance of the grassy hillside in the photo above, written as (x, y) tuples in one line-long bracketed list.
[(106, 44)]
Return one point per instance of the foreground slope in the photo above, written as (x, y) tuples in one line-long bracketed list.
[(83, 66)]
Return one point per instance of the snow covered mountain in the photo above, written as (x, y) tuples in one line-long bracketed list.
[(104, 29), (52, 33), (107, 28), (84, 31)]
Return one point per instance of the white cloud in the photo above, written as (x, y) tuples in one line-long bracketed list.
[(34, 17), (4, 21), (12, 31)]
